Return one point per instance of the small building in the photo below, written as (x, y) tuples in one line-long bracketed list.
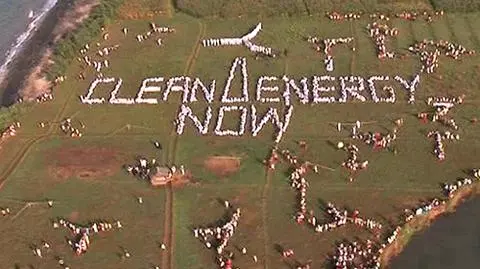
[(161, 177)]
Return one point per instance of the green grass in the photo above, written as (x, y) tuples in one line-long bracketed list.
[(390, 184)]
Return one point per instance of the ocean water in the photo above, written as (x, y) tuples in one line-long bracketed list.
[(452, 242), (16, 27)]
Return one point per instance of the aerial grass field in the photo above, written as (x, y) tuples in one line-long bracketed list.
[(85, 179)]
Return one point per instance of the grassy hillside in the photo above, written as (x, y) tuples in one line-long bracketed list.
[(84, 176)]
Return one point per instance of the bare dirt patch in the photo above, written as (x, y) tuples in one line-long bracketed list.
[(222, 166), (85, 163)]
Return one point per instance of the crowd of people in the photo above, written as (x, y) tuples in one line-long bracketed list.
[(154, 29), (243, 121), (354, 256), (335, 16), (451, 188), (377, 140), (44, 97), (328, 44), (439, 149), (442, 107), (354, 87), (144, 169), (388, 89), (338, 218), (245, 40), (429, 16), (298, 182), (425, 208), (410, 86), (103, 52), (357, 255), (379, 33), (379, 16), (414, 15), (99, 64), (226, 98), (353, 164), (67, 128), (185, 112), (430, 51), (319, 88), (177, 84), (261, 88), (87, 98), (218, 237), (271, 115), (82, 235), (447, 101), (11, 130), (5, 211)]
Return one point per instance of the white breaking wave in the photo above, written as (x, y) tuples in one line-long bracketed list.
[(32, 27)]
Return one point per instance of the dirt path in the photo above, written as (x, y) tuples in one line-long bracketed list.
[(193, 57), (17, 160), (168, 233), (167, 260), (265, 196), (353, 32), (23, 152)]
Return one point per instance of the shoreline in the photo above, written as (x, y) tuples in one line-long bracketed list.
[(29, 56), (423, 222), (25, 76)]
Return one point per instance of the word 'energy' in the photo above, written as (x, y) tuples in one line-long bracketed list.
[(269, 89)]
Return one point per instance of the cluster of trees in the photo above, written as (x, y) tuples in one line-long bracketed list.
[(66, 50)]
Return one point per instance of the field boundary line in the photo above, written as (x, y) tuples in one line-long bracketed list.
[(398, 46), (170, 8), (167, 257), (353, 33), (412, 31), (285, 67), (314, 138), (450, 29), (115, 131), (25, 207), (473, 36), (61, 112), (172, 148), (432, 31), (193, 56), (17, 159), (167, 229), (22, 154), (306, 8), (265, 196)]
